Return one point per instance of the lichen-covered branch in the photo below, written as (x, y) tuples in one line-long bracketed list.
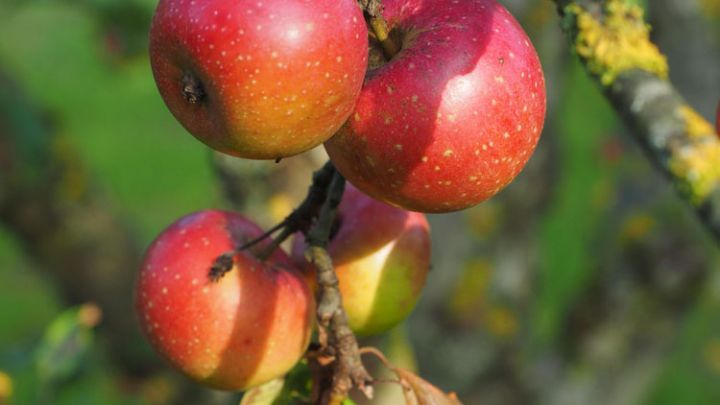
[(337, 341), (612, 40)]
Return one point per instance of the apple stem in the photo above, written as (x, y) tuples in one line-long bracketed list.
[(224, 263), (379, 27), (268, 251), (299, 220)]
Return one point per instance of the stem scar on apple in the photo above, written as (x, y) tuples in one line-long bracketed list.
[(192, 88)]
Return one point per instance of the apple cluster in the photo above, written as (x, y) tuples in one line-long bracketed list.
[(441, 125)]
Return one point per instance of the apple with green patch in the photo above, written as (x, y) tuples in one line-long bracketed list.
[(381, 256)]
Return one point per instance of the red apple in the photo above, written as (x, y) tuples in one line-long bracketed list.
[(259, 79), (249, 327), (381, 256), (453, 117)]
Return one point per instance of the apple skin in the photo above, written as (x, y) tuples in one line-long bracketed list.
[(249, 327), (453, 117), (278, 76), (381, 256)]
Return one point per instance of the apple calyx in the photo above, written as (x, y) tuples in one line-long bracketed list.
[(192, 88)]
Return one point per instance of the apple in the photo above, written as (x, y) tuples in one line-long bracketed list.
[(381, 256), (453, 117), (247, 328), (259, 79)]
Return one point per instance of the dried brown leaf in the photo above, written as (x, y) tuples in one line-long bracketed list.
[(420, 392)]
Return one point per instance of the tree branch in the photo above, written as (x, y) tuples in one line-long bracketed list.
[(336, 361), (612, 40), (337, 340)]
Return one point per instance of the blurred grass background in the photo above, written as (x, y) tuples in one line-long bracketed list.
[(600, 213)]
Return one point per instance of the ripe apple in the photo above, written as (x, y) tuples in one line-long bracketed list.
[(381, 256), (247, 328), (259, 79), (453, 117)]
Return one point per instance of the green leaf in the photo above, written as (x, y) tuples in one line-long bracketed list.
[(66, 342), (294, 388), (265, 394), (566, 234)]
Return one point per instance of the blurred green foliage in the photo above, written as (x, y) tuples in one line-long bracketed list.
[(580, 201), (149, 167)]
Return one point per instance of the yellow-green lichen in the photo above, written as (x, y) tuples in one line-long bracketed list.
[(699, 163), (695, 124), (617, 43)]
